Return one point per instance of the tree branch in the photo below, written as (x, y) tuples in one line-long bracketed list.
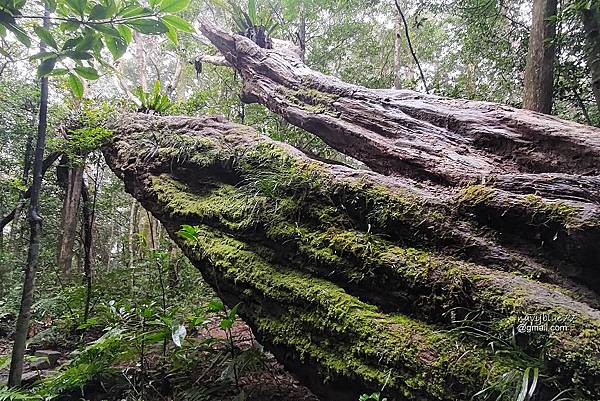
[(410, 47)]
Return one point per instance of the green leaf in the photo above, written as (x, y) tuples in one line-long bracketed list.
[(51, 5), (233, 312), (46, 66), (45, 36), (75, 84), (216, 305), (19, 33), (107, 29), (87, 72), (173, 6), (156, 88), (226, 324), (69, 26), (116, 45), (125, 33), (148, 26), (6, 18), (87, 41), (71, 43), (178, 23), (77, 5), (252, 11), (133, 10), (43, 56), (524, 385), (99, 12), (172, 34), (75, 55), (59, 71)]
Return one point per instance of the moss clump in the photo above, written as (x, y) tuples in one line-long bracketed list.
[(555, 211), (473, 195), (312, 100), (222, 203)]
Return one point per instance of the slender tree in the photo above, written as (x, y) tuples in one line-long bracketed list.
[(35, 223), (398, 53), (539, 70), (591, 28), (410, 46), (72, 182)]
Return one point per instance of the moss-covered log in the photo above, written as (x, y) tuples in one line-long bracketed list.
[(358, 281), (530, 178)]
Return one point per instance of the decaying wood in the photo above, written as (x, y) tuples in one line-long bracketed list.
[(357, 277)]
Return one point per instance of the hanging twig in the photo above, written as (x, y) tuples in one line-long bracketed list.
[(410, 47)]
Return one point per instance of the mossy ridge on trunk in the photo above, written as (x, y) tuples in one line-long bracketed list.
[(231, 154), (347, 337)]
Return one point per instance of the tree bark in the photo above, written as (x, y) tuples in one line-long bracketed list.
[(69, 216), (591, 28), (35, 222), (447, 141), (538, 80), (359, 277)]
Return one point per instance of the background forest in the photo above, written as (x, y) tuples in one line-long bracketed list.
[(110, 285)]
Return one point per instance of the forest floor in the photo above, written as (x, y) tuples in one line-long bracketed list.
[(259, 376)]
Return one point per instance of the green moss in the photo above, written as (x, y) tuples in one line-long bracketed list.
[(473, 195), (312, 100), (554, 211), (346, 336), (224, 203)]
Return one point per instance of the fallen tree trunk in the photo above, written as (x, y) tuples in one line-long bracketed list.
[(356, 280), (529, 180)]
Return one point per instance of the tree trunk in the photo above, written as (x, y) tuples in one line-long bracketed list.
[(35, 222), (133, 213), (398, 53), (302, 32), (591, 28), (69, 216), (538, 79), (25, 180), (473, 216), (88, 223), (141, 56), (367, 279)]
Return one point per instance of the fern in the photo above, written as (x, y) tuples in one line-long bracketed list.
[(149, 102), (9, 394)]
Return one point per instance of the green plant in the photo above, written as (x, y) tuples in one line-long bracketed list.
[(372, 397), (11, 394), (152, 102), (518, 385), (73, 46), (252, 17)]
